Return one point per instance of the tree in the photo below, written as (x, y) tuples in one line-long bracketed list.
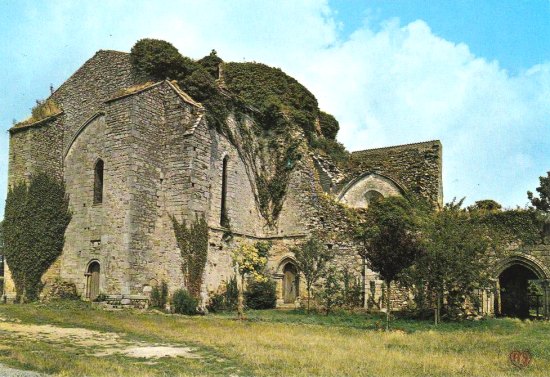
[(454, 262), (36, 217), (330, 293), (311, 259), (488, 205), (391, 239), (248, 261), (542, 203), (160, 60)]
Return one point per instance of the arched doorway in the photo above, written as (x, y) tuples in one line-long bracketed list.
[(92, 281), (290, 283), (514, 290)]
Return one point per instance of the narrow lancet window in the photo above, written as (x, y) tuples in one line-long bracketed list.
[(224, 219), (98, 182)]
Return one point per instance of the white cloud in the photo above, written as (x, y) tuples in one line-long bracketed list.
[(398, 84)]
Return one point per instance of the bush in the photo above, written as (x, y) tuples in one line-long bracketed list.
[(160, 59), (227, 299), (159, 296), (184, 303), (260, 295)]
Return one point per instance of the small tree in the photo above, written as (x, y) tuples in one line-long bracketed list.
[(330, 293), (390, 235), (311, 259), (542, 203), (455, 259), (248, 261)]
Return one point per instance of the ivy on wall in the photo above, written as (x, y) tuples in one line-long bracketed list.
[(193, 244), (35, 219), (271, 109)]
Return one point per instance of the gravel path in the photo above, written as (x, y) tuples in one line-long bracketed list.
[(6, 371)]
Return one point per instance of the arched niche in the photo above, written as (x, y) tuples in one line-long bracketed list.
[(369, 187)]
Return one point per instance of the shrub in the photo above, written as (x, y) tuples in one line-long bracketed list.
[(226, 299), (260, 295), (184, 303), (159, 296), (159, 59)]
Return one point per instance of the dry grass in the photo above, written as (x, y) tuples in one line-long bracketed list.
[(42, 110), (285, 344)]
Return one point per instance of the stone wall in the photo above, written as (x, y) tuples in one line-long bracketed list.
[(415, 167)]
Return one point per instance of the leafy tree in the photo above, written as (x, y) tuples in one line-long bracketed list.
[(261, 294), (329, 125), (391, 239), (486, 205), (248, 261), (454, 262), (542, 203), (36, 217), (311, 259), (330, 294), (160, 59)]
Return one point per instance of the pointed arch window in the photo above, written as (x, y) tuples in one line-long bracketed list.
[(224, 219), (98, 182)]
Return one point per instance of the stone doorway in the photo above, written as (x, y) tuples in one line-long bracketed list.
[(92, 281), (290, 283), (514, 291)]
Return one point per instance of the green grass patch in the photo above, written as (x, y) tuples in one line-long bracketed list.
[(275, 343)]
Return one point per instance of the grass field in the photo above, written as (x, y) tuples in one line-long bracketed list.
[(73, 339)]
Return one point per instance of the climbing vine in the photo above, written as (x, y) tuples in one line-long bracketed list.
[(35, 220), (272, 113), (193, 244)]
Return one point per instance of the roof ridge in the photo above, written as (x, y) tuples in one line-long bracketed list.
[(400, 145)]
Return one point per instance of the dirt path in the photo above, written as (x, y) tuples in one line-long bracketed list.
[(102, 343)]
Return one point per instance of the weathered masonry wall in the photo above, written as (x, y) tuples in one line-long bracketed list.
[(415, 167), (86, 91)]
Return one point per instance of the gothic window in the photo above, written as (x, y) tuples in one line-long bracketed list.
[(224, 219), (98, 182), (372, 196)]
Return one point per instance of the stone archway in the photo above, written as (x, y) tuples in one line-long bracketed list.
[(513, 280), (290, 283), (92, 280)]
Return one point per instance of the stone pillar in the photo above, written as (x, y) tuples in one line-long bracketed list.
[(278, 278)]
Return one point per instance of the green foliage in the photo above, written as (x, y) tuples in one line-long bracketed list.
[(329, 125), (390, 235), (330, 293), (454, 262), (160, 60), (159, 296), (184, 303), (312, 258), (334, 149), (211, 63), (509, 226), (193, 244), (352, 290), (488, 205), (260, 294), (270, 91), (542, 203), (248, 261), (36, 217), (226, 299)]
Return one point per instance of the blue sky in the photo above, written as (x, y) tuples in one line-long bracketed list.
[(474, 74)]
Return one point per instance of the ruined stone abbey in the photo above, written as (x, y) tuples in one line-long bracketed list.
[(134, 155)]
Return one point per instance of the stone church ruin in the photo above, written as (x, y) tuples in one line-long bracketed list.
[(137, 153)]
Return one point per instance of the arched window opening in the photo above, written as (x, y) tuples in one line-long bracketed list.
[(372, 196), (224, 219), (98, 182)]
